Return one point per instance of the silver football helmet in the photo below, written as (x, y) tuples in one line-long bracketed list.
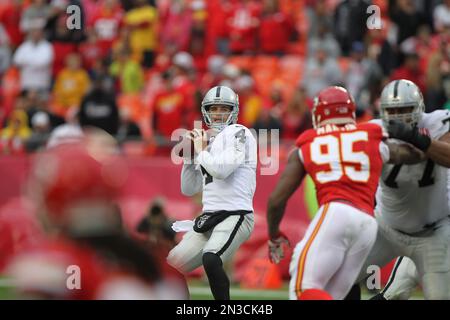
[(401, 94), (224, 96)]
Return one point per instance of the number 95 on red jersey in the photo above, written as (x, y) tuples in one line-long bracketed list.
[(344, 162)]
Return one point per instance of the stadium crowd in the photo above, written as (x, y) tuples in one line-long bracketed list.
[(138, 68)]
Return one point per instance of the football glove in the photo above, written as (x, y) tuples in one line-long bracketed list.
[(277, 247), (399, 130)]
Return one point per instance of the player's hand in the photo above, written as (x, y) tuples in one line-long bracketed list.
[(397, 129), (277, 246), (200, 140)]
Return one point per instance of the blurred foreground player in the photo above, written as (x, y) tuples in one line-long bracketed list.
[(344, 160), (87, 254)]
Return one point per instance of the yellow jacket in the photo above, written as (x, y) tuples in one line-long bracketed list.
[(70, 87), (17, 126)]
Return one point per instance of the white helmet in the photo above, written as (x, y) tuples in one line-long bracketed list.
[(402, 94), (224, 96)]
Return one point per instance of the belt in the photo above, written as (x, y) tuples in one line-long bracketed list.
[(426, 228)]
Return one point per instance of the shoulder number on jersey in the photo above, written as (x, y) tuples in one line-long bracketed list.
[(333, 151), (240, 135)]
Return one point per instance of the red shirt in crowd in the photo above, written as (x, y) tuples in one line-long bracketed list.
[(10, 18), (243, 25), (168, 111), (274, 32), (107, 25)]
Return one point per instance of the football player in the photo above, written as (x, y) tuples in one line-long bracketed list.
[(225, 170), (87, 254), (344, 160), (412, 201)]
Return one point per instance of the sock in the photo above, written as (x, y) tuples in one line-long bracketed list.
[(218, 279)]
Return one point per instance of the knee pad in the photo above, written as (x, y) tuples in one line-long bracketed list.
[(211, 261)]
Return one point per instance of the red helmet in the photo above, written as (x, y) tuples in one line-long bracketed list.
[(333, 105), (70, 176)]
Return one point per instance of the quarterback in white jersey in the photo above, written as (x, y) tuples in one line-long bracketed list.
[(412, 200), (225, 170)]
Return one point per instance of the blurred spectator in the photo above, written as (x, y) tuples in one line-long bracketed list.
[(63, 44), (64, 134), (437, 74), (107, 23), (275, 29), (128, 72), (217, 36), (441, 15), (383, 49), (10, 18), (91, 9), (169, 110), (34, 57), (410, 70), (35, 101), (176, 28), (270, 116), (323, 39), (91, 52), (319, 17), (5, 50), (230, 75), (40, 124), (214, 74), (16, 133), (197, 45), (350, 22), (157, 226), (362, 73), (72, 84), (128, 130), (35, 15), (183, 72), (407, 18), (142, 22), (99, 108), (243, 24), (57, 22), (250, 102), (296, 118), (320, 71), (423, 44)]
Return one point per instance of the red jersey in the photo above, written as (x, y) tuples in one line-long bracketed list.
[(52, 262), (344, 162)]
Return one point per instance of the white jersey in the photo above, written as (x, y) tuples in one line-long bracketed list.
[(410, 197), (226, 171)]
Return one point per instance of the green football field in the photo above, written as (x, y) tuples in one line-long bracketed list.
[(199, 290)]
